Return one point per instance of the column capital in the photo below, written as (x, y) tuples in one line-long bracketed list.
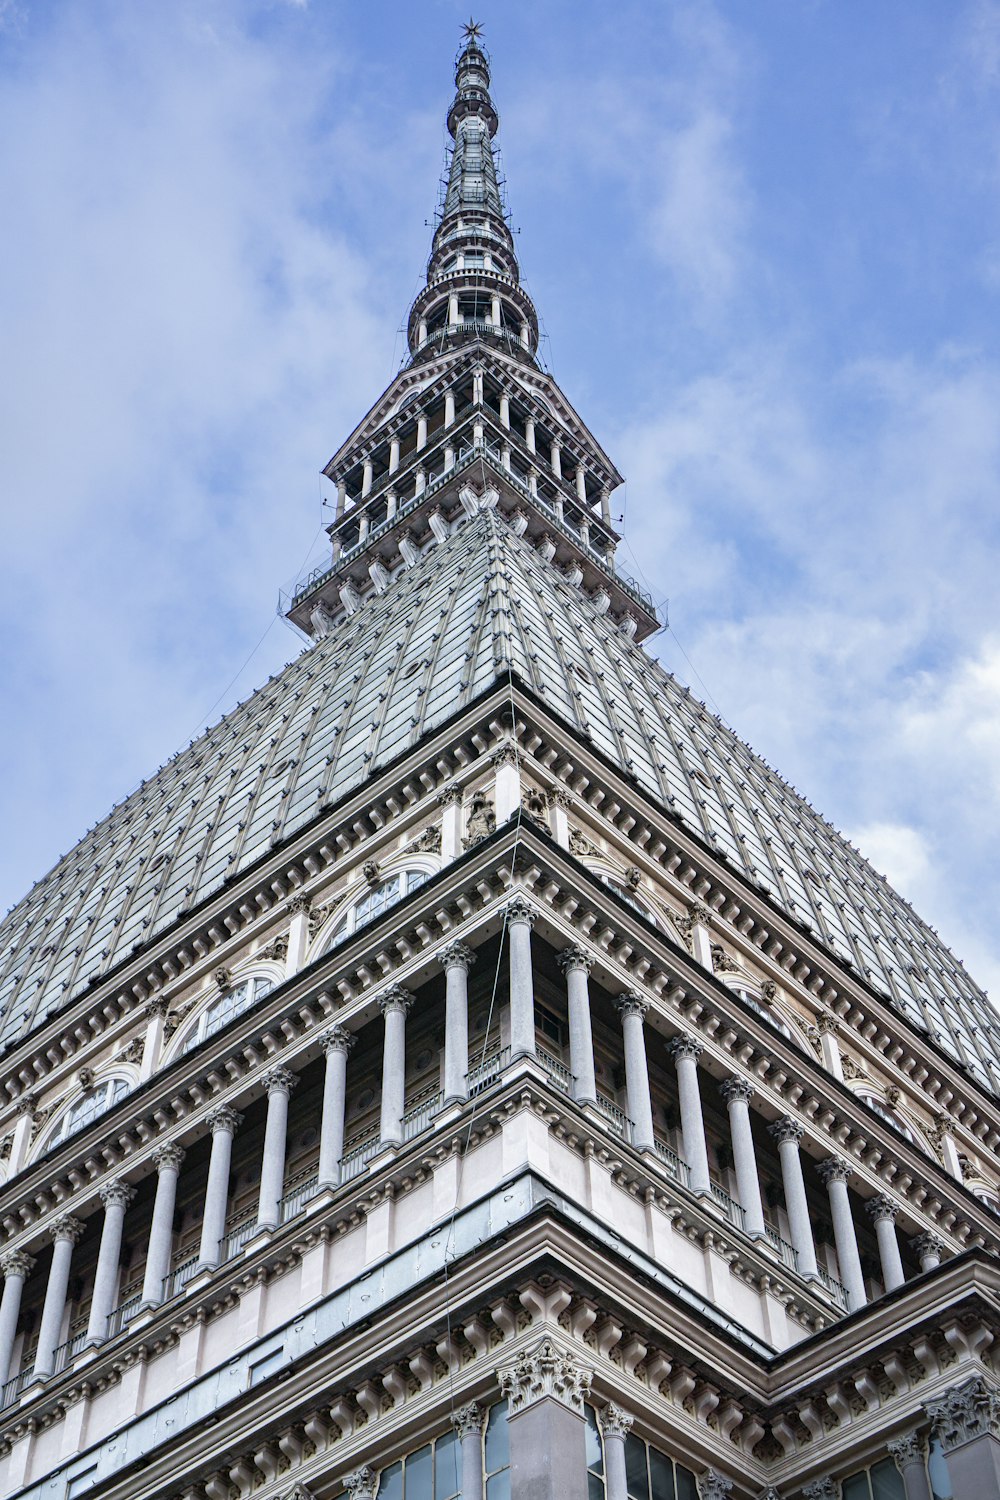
[(67, 1228), (560, 796), (827, 1023), (685, 1046), (784, 1128), (631, 1004), (360, 1485), (337, 1039), (456, 956), (116, 1194), (615, 1421), (468, 1420), (168, 1157), (505, 754), (394, 999), (967, 1411), (224, 1118), (520, 910), (452, 793), (26, 1104), (927, 1244), (911, 1448), (572, 958), (822, 1489), (544, 1371), (279, 1080), (300, 905), (714, 1486), (17, 1263), (700, 913), (833, 1169), (157, 1008), (880, 1208), (736, 1088)]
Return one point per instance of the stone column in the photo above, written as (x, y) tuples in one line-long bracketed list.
[(116, 1197), (737, 1093), (279, 1083), (545, 1390), (17, 1267), (576, 964), (632, 1008), (223, 1123), (468, 1423), (360, 1485), (882, 1212), (835, 1174), (394, 1005), (966, 1420), (686, 1052), (152, 1044), (928, 1249), (65, 1233), (167, 1161), (456, 960), (788, 1134), (701, 935), (910, 1456), (520, 920), (337, 1043), (616, 1425)]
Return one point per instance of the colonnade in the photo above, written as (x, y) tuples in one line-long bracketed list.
[(278, 1082)]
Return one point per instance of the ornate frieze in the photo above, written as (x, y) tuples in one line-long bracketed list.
[(545, 1371)]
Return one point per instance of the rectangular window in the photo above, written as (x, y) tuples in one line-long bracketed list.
[(265, 1365), (81, 1483)]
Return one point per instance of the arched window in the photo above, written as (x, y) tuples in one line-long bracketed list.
[(769, 1012), (626, 894), (90, 1106), (374, 902), (885, 1112), (990, 1199), (226, 1006)]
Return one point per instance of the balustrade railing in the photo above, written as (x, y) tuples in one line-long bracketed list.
[(65, 1353), (676, 1166), (557, 1071), (617, 1119), (237, 1238), (124, 1313), (787, 1252), (487, 1070), (836, 1289), (420, 1113), (13, 1387), (358, 1153), (303, 1187), (179, 1277), (732, 1210)]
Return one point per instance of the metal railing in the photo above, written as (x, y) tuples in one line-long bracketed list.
[(676, 1166), (788, 1253), (732, 1210), (65, 1353), (124, 1313), (303, 1188), (358, 1153), (836, 1288), (420, 1113), (557, 1071), (12, 1388), (179, 1277), (237, 1238), (487, 1070), (617, 1119)]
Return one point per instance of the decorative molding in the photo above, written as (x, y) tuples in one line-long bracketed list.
[(967, 1412), (544, 1371)]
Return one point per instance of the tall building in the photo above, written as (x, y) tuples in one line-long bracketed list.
[(468, 1070)]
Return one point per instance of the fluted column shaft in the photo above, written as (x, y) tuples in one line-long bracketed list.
[(279, 1083), (520, 919), (616, 1425), (16, 1267), (883, 1212), (337, 1045), (65, 1233), (835, 1174), (575, 964), (737, 1093), (788, 1134), (468, 1423), (168, 1161), (632, 1009), (686, 1052), (223, 1123), (394, 1005), (456, 960), (116, 1197)]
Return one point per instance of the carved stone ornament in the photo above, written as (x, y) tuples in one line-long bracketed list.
[(736, 1088), (317, 917), (574, 958), (911, 1448), (395, 998), (827, 1024), (370, 870), (116, 1194), (481, 820), (6, 1147), (633, 877), (298, 1492), (714, 1486), (451, 793), (224, 1118), (880, 1208), (17, 1263), (276, 949), (579, 843), (833, 1170), (769, 1493), (769, 992), (722, 962), (222, 978), (299, 905), (66, 1228), (616, 1422), (927, 1244), (361, 1484), (701, 914), (970, 1411), (544, 1371), (133, 1050), (852, 1069), (468, 1420), (338, 1039), (168, 1157), (822, 1489), (785, 1129), (685, 1046), (505, 754), (535, 804), (85, 1078), (520, 910), (279, 1080), (631, 1004), (27, 1104), (428, 840)]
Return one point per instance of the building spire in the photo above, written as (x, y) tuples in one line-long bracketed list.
[(473, 286)]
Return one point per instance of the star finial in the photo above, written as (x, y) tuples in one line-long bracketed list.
[(472, 30)]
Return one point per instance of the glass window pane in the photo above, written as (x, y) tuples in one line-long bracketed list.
[(887, 1482), (419, 1475), (857, 1487), (497, 1442), (595, 1486), (595, 1455), (937, 1469), (687, 1487), (447, 1467), (661, 1476), (390, 1485), (498, 1487), (636, 1474)]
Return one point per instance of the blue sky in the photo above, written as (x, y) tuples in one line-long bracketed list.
[(764, 240)]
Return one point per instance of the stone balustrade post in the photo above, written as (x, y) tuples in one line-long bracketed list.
[(116, 1196), (456, 960), (632, 1008), (616, 1424), (835, 1175), (394, 1004), (65, 1232), (468, 1424), (883, 1211), (223, 1123), (788, 1133), (337, 1044), (278, 1083), (17, 1267), (576, 965), (737, 1092), (520, 920), (167, 1160), (686, 1051)]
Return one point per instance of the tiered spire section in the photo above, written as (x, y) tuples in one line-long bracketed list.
[(471, 422)]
